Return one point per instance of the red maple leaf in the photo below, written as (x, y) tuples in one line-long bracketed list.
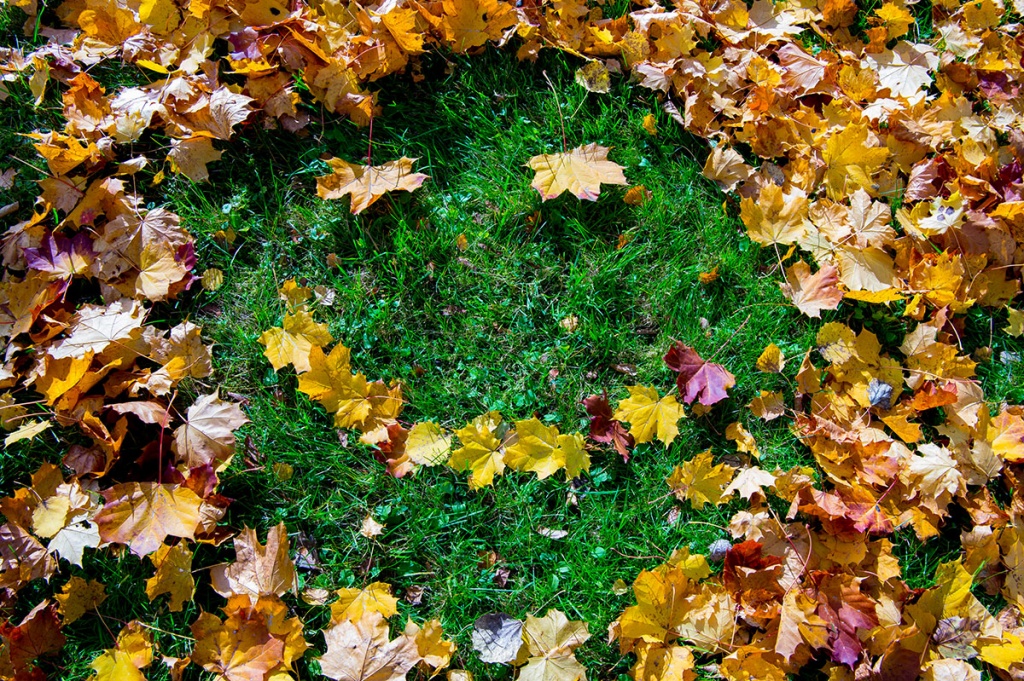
[(604, 428), (698, 379)]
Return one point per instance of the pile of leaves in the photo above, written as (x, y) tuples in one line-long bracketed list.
[(896, 165), (899, 440)]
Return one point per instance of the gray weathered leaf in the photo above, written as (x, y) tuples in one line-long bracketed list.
[(497, 637)]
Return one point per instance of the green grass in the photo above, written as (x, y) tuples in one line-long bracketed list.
[(467, 331), (477, 330)]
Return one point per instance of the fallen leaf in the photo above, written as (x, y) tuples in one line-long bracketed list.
[(173, 575), (371, 528), (551, 533), (543, 450), (482, 452), (293, 342), (132, 652), (208, 435), (812, 293), (581, 172), (79, 597), (258, 570), (142, 514), (366, 184), (497, 638), (191, 156), (772, 360), (352, 604), (649, 416), (594, 76), (550, 642), (604, 428), (427, 444), (699, 481), (698, 379), (360, 650)]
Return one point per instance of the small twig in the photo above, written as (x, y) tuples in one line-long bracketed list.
[(726, 344), (369, 145), (558, 104), (626, 555), (164, 631), (701, 522)]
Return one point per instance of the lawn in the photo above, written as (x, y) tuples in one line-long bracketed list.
[(476, 296)]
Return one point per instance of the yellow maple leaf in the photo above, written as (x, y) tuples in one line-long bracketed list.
[(61, 375), (550, 642), (355, 402), (79, 597), (543, 450), (581, 172), (63, 153), (471, 23), (850, 161), (663, 600), (594, 77), (366, 184), (1015, 319), (132, 652), (649, 416), (658, 662), (651, 125), (1006, 436), (401, 24), (353, 604), (772, 360), (775, 217), (162, 16), (294, 295), (745, 442), (325, 373), (896, 19), (700, 482), (293, 342), (27, 431), (173, 575), (427, 444), (352, 397), (482, 451), (430, 647)]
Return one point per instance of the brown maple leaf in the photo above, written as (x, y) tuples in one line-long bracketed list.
[(258, 570), (812, 293), (38, 634)]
